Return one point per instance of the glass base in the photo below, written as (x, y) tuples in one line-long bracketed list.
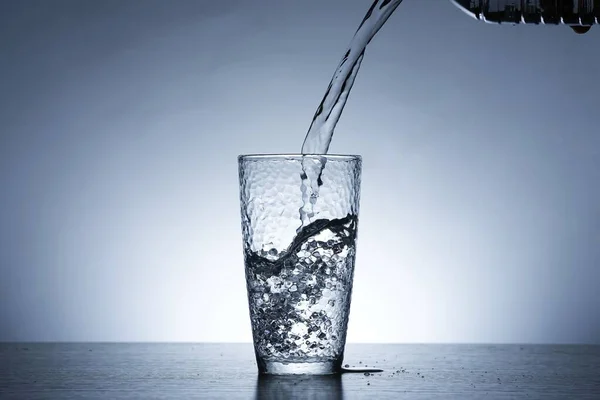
[(269, 367)]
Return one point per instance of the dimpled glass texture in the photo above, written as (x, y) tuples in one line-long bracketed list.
[(299, 275)]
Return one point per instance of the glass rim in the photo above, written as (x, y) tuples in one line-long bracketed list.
[(299, 156)]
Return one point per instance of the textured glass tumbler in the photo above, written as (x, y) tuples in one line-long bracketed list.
[(299, 224)]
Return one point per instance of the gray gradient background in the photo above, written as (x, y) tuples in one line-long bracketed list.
[(120, 126)]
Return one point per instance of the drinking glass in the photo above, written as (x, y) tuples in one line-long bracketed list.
[(299, 225)]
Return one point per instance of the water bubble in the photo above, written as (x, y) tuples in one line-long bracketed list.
[(306, 304)]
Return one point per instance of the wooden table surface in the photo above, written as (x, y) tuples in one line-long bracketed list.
[(228, 371)]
